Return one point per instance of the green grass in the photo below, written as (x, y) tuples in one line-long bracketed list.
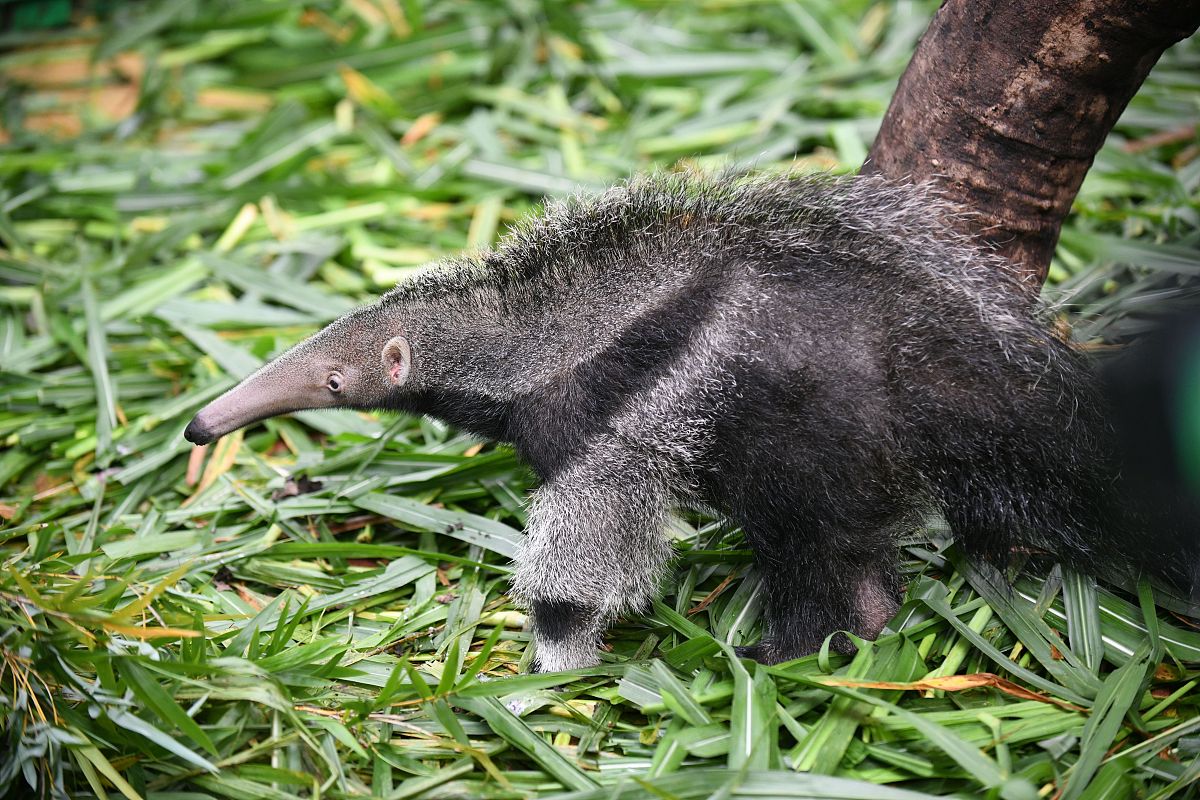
[(317, 607)]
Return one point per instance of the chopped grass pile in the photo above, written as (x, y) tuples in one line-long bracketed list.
[(315, 607)]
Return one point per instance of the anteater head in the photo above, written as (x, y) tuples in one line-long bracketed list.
[(362, 361)]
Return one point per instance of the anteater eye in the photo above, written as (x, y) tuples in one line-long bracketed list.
[(334, 384)]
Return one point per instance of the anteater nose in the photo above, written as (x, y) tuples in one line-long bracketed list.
[(196, 433)]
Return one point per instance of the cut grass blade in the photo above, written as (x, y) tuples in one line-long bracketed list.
[(227, 177), (509, 726), (97, 359)]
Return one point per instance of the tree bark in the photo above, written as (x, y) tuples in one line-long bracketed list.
[(1006, 102)]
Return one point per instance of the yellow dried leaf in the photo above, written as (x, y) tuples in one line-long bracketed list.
[(139, 632), (361, 89), (420, 128), (955, 683), (233, 100), (224, 453)]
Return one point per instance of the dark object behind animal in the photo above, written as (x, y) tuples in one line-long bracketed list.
[(821, 360), (1152, 391)]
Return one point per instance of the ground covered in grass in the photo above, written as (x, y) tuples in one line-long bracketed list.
[(316, 606)]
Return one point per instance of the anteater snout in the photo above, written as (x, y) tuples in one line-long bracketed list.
[(197, 433)]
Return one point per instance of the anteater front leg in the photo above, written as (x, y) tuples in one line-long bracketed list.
[(595, 548)]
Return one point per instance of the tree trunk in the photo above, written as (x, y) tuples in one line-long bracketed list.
[(1006, 102)]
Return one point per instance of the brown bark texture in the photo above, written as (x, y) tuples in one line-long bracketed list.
[(1006, 102)]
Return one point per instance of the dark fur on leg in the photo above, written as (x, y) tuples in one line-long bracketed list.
[(566, 634), (860, 600), (812, 600)]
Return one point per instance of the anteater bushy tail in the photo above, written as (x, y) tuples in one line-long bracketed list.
[(1031, 464), (1006, 422), (1030, 467)]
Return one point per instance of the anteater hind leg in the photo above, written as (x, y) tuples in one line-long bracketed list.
[(595, 548), (816, 585)]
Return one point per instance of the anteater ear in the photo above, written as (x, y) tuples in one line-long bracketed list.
[(397, 360)]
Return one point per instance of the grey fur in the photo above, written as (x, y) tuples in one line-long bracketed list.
[(823, 360)]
